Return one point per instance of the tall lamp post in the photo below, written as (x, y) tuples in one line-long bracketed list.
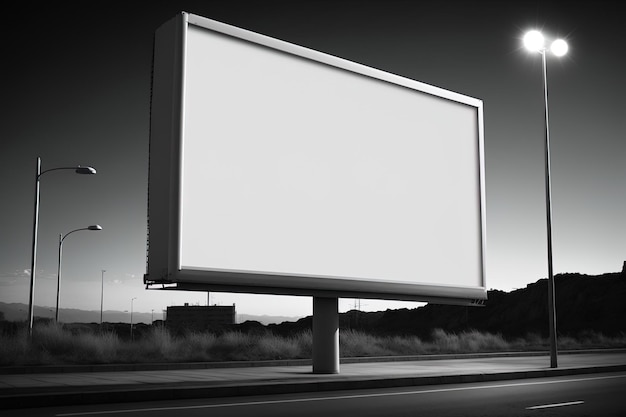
[(102, 295), (131, 317), (94, 227), (33, 266), (534, 41)]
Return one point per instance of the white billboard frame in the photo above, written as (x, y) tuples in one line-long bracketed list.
[(168, 266)]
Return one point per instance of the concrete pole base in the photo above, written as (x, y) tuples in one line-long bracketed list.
[(325, 335)]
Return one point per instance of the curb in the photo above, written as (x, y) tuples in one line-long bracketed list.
[(44, 369), (125, 394)]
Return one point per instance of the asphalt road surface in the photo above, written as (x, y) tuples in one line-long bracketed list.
[(595, 395)]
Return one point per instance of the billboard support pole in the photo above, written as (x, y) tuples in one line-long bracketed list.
[(325, 335)]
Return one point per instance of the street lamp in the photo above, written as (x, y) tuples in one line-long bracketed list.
[(102, 295), (131, 317), (94, 227), (38, 173), (535, 42)]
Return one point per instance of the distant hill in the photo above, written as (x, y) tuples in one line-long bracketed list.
[(265, 319), (17, 312), (583, 303)]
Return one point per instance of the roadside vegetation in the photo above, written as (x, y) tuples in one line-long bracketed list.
[(53, 344)]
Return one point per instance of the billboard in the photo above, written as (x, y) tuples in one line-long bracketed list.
[(279, 169)]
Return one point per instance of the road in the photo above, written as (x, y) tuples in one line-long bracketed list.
[(578, 395)]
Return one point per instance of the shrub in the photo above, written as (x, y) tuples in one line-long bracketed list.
[(406, 345), (197, 347), (55, 344), (14, 348), (475, 341), (442, 342), (276, 347), (161, 342), (353, 343), (233, 346), (95, 348), (53, 339), (304, 342)]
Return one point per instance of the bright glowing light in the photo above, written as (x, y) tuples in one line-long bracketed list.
[(559, 47), (533, 40)]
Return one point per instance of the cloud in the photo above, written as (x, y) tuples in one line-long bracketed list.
[(124, 279), (14, 278)]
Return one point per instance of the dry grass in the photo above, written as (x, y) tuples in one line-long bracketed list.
[(53, 344)]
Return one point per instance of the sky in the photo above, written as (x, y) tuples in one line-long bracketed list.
[(76, 90)]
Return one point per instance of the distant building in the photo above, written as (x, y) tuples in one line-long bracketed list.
[(199, 318)]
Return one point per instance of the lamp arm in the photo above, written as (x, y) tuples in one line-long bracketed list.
[(69, 233)]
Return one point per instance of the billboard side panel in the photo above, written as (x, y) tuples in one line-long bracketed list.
[(164, 155), (483, 197)]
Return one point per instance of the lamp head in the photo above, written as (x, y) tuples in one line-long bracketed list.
[(559, 47), (534, 41), (95, 227), (85, 170)]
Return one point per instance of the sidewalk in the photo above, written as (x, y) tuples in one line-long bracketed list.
[(68, 386)]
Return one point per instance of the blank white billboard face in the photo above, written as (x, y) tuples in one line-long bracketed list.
[(308, 166)]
